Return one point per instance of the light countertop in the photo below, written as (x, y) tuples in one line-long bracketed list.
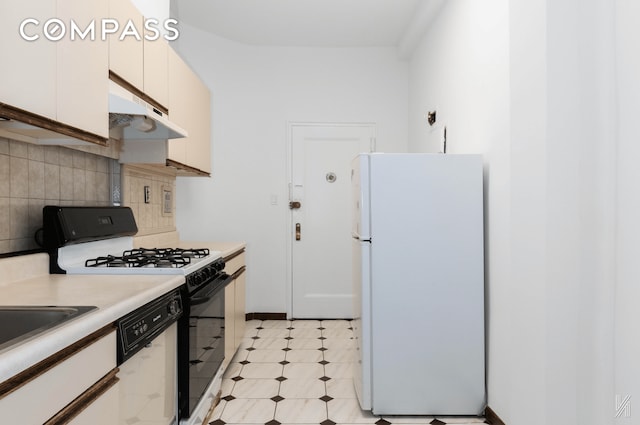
[(173, 240), (26, 281), (114, 296), (225, 248)]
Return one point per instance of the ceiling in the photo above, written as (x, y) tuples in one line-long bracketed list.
[(311, 23)]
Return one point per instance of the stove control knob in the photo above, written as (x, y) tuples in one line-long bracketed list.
[(174, 307), (202, 276), (145, 327)]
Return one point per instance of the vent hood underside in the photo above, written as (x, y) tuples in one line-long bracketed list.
[(139, 119)]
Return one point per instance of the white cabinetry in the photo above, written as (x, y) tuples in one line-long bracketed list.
[(156, 72), (28, 71), (60, 86), (190, 108), (126, 56), (81, 77), (101, 411), (141, 63), (46, 392), (234, 305)]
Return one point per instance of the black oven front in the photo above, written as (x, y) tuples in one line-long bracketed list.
[(200, 335)]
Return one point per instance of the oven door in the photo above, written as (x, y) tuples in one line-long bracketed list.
[(202, 345)]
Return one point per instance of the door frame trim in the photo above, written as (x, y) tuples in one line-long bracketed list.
[(290, 126)]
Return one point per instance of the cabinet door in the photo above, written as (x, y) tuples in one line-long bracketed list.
[(40, 398), (126, 56), (189, 107), (156, 73), (178, 105), (102, 411), (199, 147), (229, 323), (240, 315), (82, 71), (27, 74)]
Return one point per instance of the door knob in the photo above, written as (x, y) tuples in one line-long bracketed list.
[(297, 231), (294, 205)]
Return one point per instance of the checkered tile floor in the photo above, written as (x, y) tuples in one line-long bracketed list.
[(298, 372)]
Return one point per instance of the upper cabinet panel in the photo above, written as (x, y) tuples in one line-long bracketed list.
[(126, 56), (199, 150), (156, 74), (178, 105), (82, 71), (189, 107), (27, 74), (54, 84), (138, 54)]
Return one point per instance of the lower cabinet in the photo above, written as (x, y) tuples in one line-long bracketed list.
[(234, 305), (75, 385), (239, 321), (99, 405), (101, 411)]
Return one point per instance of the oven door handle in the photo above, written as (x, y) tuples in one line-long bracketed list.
[(221, 283), (199, 300)]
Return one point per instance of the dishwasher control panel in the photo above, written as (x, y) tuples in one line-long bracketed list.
[(141, 326)]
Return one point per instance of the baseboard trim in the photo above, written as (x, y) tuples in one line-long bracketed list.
[(492, 417), (266, 316)]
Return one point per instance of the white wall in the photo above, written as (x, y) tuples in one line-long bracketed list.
[(255, 92), (531, 86), (580, 211), (627, 297)]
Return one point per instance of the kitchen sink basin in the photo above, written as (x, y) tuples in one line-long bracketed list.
[(19, 323)]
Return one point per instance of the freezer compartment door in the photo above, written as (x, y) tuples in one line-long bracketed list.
[(362, 321)]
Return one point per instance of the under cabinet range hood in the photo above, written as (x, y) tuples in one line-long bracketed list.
[(139, 119)]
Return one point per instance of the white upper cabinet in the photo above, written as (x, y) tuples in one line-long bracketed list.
[(27, 73), (82, 71), (141, 59), (199, 140), (156, 73), (53, 78), (126, 54), (190, 108), (179, 105)]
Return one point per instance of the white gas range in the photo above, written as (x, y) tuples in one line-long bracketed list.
[(98, 240), (118, 256)]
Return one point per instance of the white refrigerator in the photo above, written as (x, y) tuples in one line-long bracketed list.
[(417, 238)]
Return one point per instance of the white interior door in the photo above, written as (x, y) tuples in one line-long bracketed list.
[(321, 227)]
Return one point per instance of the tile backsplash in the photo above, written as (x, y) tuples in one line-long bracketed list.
[(32, 176), (155, 214)]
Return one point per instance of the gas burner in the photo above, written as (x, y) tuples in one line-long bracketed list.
[(193, 252), (108, 261), (168, 252), (145, 257)]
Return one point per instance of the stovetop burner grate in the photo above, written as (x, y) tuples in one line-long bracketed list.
[(145, 257), (168, 252)]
